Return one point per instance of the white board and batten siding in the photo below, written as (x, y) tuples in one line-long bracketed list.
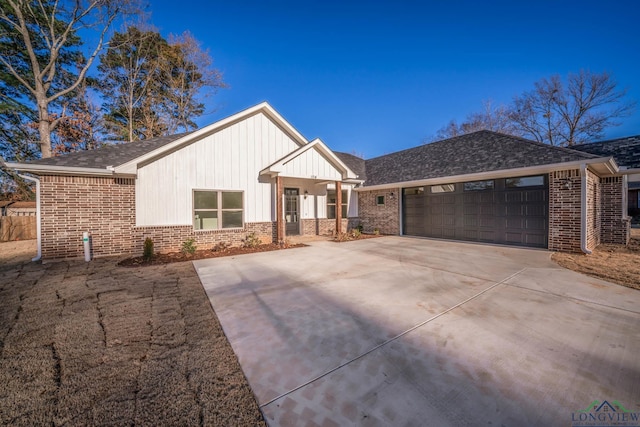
[(311, 165), (229, 159)]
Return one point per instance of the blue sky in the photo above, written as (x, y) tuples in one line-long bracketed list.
[(374, 77)]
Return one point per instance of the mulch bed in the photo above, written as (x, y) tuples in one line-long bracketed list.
[(166, 258), (348, 237)]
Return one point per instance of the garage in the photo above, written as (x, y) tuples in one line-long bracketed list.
[(511, 211)]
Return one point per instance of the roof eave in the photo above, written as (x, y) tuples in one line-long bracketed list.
[(603, 165), (39, 169)]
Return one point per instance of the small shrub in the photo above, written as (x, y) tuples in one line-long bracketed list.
[(376, 231), (221, 247), (147, 251), (341, 237), (189, 247), (355, 233), (360, 227), (251, 241)]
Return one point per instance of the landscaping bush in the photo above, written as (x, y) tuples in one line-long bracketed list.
[(221, 247), (189, 247), (147, 251), (251, 241)]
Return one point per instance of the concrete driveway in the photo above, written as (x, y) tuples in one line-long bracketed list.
[(404, 331)]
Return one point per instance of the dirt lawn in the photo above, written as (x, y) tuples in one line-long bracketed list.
[(96, 344), (613, 263)]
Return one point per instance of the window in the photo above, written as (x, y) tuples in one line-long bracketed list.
[(413, 191), (213, 210), (331, 203), (525, 181), (444, 188), (478, 185), (380, 200)]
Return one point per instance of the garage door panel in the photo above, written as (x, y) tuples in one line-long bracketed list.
[(535, 224), (513, 214)]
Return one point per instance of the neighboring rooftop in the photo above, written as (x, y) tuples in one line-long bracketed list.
[(109, 155), (626, 151), (481, 151)]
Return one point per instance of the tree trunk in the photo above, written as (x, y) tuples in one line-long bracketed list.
[(44, 128)]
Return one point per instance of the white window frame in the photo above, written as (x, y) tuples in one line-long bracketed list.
[(219, 210)]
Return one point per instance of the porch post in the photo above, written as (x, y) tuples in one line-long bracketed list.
[(338, 207), (279, 211)]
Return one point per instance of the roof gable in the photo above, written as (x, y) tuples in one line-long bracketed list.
[(482, 151), (314, 160)]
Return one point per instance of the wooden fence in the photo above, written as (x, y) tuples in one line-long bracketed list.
[(17, 228)]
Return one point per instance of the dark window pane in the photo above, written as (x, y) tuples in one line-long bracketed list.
[(231, 200), (205, 220), (413, 191), (331, 211), (205, 199), (231, 219), (478, 185), (525, 181), (379, 200), (344, 211), (444, 188), (331, 196)]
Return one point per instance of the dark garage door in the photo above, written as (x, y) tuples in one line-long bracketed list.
[(512, 211)]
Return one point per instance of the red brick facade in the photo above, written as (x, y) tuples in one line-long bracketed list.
[(616, 226), (71, 205), (106, 208), (385, 217)]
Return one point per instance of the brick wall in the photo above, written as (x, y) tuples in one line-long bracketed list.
[(594, 210), (325, 227), (616, 227), (170, 238), (564, 211), (385, 218), (71, 205)]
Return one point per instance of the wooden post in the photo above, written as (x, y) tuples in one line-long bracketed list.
[(279, 209), (338, 207)]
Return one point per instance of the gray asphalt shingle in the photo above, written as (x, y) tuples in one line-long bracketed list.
[(481, 151), (109, 155), (626, 151), (355, 163)]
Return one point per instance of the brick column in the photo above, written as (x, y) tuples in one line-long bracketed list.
[(338, 207), (279, 209)]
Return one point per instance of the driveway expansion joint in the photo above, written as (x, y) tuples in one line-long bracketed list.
[(390, 340)]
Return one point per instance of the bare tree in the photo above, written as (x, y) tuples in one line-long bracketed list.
[(497, 119), (188, 69), (577, 112), (43, 31)]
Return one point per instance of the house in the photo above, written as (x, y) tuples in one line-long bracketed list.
[(626, 152), (253, 172)]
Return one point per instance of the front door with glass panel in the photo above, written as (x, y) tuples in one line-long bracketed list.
[(291, 211)]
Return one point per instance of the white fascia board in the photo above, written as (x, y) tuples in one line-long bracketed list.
[(58, 170), (131, 166), (505, 173), (278, 166)]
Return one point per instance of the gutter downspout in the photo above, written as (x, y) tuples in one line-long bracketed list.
[(583, 209), (38, 215)]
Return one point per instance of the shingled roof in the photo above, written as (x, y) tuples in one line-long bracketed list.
[(482, 151), (626, 151), (109, 155), (355, 163)]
